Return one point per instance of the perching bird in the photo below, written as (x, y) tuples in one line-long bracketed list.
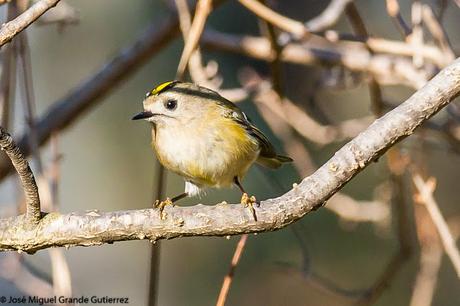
[(204, 138)]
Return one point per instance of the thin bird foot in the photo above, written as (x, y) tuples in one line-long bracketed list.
[(161, 206), (249, 201)]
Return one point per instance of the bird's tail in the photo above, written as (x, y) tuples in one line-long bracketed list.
[(273, 162)]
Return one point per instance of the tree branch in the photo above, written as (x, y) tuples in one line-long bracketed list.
[(14, 27), (387, 69), (25, 174), (94, 228)]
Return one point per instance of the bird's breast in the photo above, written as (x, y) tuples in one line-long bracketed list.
[(207, 153)]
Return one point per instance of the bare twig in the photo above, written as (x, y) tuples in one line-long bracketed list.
[(360, 29), (395, 14), (284, 23), (269, 31), (62, 283), (437, 32), (397, 165), (351, 210), (9, 30), (430, 254), (386, 69), (155, 248), (229, 277), (381, 45), (415, 39), (307, 126), (426, 189), (328, 17), (196, 69), (25, 174), (427, 276), (28, 98), (8, 77), (203, 9)]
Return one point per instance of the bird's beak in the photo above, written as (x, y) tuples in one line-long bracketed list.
[(143, 115)]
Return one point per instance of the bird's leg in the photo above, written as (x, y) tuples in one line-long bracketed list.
[(162, 204), (246, 200)]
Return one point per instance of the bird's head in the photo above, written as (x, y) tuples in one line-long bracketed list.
[(175, 102)]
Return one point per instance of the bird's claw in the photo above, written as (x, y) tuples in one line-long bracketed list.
[(249, 201), (161, 206)]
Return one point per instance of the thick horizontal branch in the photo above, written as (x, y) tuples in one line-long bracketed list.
[(92, 228), (10, 29)]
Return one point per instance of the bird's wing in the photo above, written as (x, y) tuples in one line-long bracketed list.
[(266, 148)]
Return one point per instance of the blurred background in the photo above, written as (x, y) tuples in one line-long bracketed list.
[(107, 164)]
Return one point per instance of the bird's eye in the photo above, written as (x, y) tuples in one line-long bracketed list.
[(171, 104)]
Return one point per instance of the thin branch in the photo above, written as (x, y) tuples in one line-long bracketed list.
[(9, 30), (160, 176), (426, 189), (350, 210), (229, 277), (328, 17), (305, 125), (430, 251), (94, 228), (395, 14), (359, 28), (388, 70), (204, 75), (28, 97), (269, 31), (7, 81), (67, 110), (203, 9), (284, 23), (415, 40), (25, 174), (397, 165), (427, 276), (437, 31)]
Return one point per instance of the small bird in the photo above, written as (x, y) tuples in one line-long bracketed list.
[(206, 139)]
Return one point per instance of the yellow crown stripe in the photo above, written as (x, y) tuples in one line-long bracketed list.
[(162, 87)]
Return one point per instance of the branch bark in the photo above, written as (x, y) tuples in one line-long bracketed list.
[(25, 174), (14, 27), (94, 228)]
